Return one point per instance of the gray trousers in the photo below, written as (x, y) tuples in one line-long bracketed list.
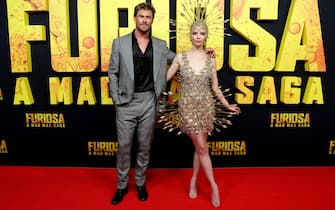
[(137, 116)]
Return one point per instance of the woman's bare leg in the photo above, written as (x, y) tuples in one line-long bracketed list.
[(201, 148), (193, 183)]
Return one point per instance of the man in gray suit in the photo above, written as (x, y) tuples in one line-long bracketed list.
[(137, 77)]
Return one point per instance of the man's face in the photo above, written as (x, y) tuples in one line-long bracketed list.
[(143, 20)]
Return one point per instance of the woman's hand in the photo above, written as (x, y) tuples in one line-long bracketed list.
[(234, 109), (210, 52)]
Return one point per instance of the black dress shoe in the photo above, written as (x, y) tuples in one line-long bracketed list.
[(118, 196), (142, 193)]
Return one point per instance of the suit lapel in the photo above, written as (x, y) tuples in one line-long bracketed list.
[(128, 49), (155, 46)]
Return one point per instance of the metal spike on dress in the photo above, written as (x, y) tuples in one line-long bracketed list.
[(170, 119)]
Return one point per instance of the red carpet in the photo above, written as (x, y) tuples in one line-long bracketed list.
[(42, 188)]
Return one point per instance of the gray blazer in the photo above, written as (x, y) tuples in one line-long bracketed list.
[(121, 68)]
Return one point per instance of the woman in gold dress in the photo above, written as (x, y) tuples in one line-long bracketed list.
[(196, 106)]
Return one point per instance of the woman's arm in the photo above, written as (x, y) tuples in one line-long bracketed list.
[(174, 67), (218, 92)]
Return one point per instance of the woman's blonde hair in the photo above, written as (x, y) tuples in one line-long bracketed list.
[(199, 24)]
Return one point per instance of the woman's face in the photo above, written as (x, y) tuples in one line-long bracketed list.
[(198, 36)]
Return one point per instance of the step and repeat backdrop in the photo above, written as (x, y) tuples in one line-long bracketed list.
[(275, 56)]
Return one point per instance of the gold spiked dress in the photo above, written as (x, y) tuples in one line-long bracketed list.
[(197, 110)]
